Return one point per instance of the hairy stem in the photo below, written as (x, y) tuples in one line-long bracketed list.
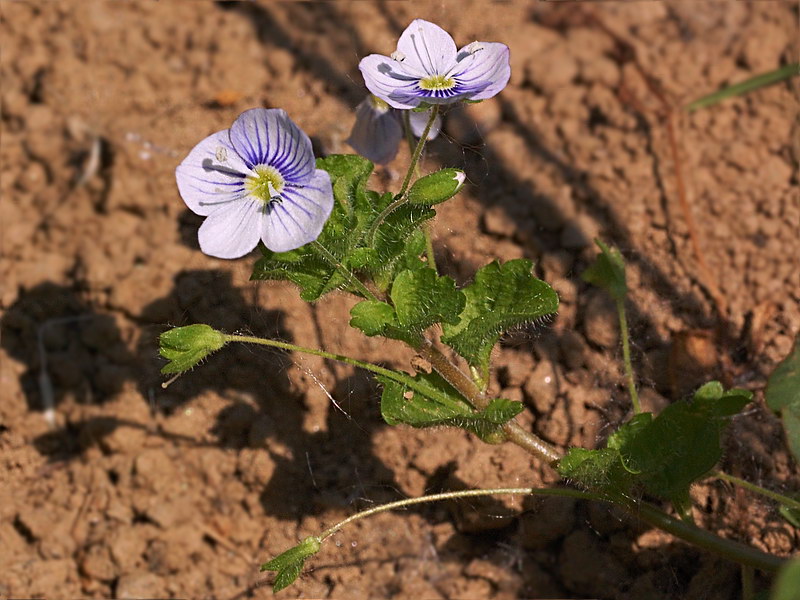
[(351, 278), (467, 388), (248, 339), (563, 492), (785, 500), (426, 229), (401, 195), (626, 355)]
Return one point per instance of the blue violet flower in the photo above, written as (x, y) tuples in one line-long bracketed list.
[(256, 181), (378, 129), (427, 68)]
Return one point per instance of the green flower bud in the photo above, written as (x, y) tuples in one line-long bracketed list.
[(436, 187), (184, 347)]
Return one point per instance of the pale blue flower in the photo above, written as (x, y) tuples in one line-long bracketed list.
[(378, 129), (256, 181), (427, 68)]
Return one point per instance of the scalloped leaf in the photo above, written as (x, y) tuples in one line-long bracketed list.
[(420, 298), (432, 402), (501, 297)]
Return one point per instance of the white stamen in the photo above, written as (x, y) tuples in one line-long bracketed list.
[(398, 56), (221, 154), (273, 193)]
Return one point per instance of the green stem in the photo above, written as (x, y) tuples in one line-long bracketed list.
[(248, 339), (746, 86), (729, 549), (426, 229), (748, 583), (563, 492), (467, 388), (352, 279), (626, 355), (401, 195), (785, 500)]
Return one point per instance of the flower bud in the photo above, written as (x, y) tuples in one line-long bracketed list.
[(436, 187), (184, 347)]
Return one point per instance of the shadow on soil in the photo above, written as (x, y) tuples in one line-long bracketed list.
[(86, 361)]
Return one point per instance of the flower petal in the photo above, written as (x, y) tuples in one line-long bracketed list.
[(211, 175), (267, 136), (376, 133), (390, 81), (232, 230), (427, 47), (419, 120), (300, 215), (483, 69)]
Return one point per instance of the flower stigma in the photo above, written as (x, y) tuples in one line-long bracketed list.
[(437, 82), (266, 183)]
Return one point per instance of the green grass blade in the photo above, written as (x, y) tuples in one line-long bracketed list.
[(749, 85)]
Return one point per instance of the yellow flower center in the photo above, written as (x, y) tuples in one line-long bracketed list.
[(437, 82), (265, 183)]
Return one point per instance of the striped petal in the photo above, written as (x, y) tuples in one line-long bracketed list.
[(483, 69), (232, 230), (376, 133), (211, 175), (298, 218), (264, 136), (426, 47)]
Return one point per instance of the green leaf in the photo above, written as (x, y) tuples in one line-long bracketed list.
[(788, 581), (186, 346), (783, 396), (599, 470), (501, 297), (627, 433), (791, 514), (681, 444), (437, 187), (608, 272), (398, 242), (422, 298), (289, 564), (432, 402), (373, 317), (746, 86)]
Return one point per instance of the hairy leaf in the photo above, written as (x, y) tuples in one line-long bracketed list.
[(432, 402), (420, 298), (682, 444), (501, 297)]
